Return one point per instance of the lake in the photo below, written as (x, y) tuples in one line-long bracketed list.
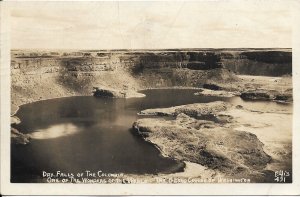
[(76, 134)]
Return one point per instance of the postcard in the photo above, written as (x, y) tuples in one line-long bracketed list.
[(150, 97)]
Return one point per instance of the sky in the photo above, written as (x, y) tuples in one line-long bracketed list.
[(150, 25)]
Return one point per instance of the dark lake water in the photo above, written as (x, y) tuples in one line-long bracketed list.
[(75, 134)]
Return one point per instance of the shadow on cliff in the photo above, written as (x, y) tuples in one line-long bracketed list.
[(76, 76)]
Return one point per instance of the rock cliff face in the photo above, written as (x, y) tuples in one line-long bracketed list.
[(44, 75), (265, 63), (40, 75)]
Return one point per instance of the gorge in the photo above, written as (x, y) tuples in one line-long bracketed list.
[(170, 80)]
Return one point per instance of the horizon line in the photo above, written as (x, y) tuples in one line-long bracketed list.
[(120, 49)]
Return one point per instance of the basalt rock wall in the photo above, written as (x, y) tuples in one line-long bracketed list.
[(264, 63), (36, 76)]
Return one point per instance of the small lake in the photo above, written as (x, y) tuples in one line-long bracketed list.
[(76, 134)]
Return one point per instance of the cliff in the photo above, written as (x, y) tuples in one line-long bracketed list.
[(264, 63), (38, 75), (43, 75)]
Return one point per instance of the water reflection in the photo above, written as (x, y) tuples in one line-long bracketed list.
[(55, 131)]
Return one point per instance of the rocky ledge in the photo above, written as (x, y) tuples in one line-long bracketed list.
[(114, 93), (194, 110), (14, 120), (254, 94), (253, 88), (267, 95), (278, 89), (18, 137), (219, 93), (210, 143)]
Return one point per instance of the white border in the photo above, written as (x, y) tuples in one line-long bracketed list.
[(8, 188)]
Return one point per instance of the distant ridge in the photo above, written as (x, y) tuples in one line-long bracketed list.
[(168, 50)]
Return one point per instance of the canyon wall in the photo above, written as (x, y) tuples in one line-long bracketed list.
[(265, 63), (38, 75)]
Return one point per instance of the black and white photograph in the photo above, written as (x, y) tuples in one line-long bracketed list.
[(149, 92)]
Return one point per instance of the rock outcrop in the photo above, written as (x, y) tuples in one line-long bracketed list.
[(114, 93), (14, 120), (267, 95), (287, 97), (195, 110), (106, 92), (219, 93), (255, 95), (205, 142), (18, 137), (211, 86)]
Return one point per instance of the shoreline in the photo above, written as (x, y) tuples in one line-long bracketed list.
[(241, 77), (138, 90), (184, 173), (18, 106)]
